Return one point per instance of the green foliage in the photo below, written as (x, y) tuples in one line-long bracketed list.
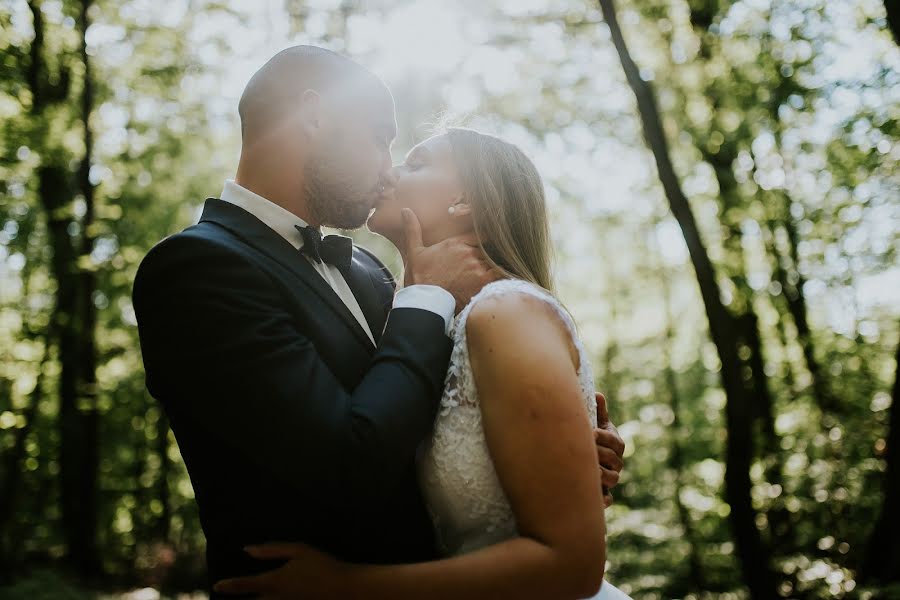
[(45, 585), (786, 151)]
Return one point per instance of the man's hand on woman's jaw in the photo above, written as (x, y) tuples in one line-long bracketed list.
[(456, 264)]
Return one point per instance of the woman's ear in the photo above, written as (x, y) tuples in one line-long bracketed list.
[(461, 207)]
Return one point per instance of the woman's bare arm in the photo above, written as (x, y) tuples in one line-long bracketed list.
[(538, 432)]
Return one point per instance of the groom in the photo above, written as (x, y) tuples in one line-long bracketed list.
[(297, 382)]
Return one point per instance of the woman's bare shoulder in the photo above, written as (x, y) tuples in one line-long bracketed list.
[(519, 326)]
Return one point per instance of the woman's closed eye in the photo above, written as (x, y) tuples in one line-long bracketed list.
[(416, 159)]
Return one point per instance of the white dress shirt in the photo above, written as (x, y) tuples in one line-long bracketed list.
[(282, 221)]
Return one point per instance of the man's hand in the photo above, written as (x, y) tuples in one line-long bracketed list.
[(457, 264), (610, 450)]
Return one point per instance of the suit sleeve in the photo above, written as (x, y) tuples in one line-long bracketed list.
[(223, 356)]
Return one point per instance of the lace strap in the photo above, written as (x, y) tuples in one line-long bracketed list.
[(513, 286)]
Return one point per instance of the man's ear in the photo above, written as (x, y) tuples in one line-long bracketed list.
[(310, 113)]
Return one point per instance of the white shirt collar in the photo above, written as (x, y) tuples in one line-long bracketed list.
[(279, 219)]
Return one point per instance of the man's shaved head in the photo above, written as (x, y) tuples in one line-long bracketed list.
[(316, 130), (273, 93)]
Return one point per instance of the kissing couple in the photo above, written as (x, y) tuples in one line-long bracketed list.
[(350, 437)]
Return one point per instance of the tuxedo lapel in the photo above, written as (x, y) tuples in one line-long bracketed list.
[(360, 281), (256, 233)]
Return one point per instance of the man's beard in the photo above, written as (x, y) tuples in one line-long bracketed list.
[(331, 196)]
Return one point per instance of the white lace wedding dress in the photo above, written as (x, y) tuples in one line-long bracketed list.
[(464, 497)]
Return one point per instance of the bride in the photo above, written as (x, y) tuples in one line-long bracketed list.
[(510, 475)]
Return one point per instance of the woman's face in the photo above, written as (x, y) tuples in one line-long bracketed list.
[(427, 183)]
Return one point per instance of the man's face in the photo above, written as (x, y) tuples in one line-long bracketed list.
[(351, 160)]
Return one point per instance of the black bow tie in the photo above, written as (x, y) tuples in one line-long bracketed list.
[(336, 250)]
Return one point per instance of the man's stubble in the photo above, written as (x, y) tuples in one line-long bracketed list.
[(333, 195)]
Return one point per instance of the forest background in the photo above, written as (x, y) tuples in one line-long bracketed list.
[(723, 182)]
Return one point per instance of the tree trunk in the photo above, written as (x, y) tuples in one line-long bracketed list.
[(85, 490), (75, 473), (753, 366), (77, 423), (787, 262), (787, 270), (882, 562), (796, 301), (753, 555), (722, 160), (758, 382)]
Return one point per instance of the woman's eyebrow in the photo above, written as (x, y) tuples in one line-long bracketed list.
[(417, 152)]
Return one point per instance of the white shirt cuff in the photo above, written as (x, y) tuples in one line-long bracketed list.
[(428, 297)]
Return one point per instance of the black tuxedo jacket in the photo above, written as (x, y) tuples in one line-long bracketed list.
[(293, 426)]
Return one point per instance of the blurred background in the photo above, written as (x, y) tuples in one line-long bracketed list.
[(724, 184)]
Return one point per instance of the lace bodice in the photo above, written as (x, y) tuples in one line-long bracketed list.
[(461, 489)]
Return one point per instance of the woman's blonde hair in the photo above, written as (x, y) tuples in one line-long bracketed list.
[(509, 210)]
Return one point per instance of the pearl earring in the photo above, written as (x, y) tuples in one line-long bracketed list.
[(452, 210)]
